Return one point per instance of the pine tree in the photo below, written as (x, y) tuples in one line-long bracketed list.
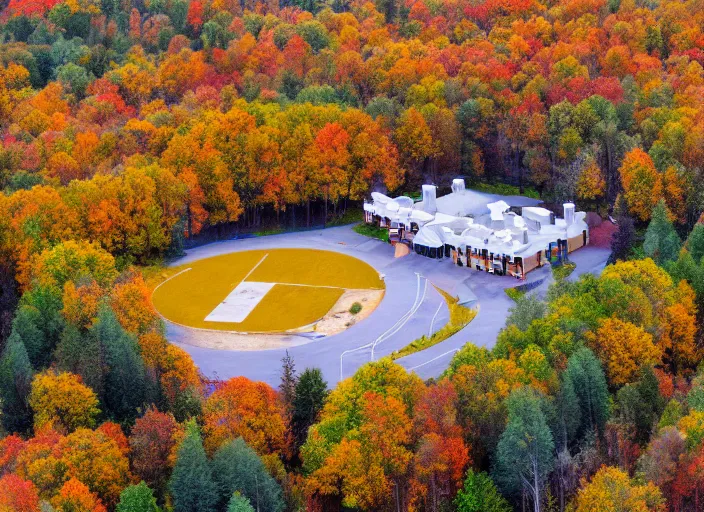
[(623, 239), (480, 494), (25, 326), (237, 468), (125, 379), (695, 243), (15, 385), (568, 414), (311, 391), (287, 387), (79, 353), (46, 301), (191, 485), (239, 503), (662, 243), (524, 455), (527, 308), (589, 382), (137, 498)]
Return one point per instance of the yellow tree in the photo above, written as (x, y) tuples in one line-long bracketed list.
[(678, 332), (130, 300), (415, 141), (63, 401), (623, 349), (591, 184), (611, 490)]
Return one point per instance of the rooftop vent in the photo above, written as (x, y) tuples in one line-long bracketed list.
[(569, 213), (429, 193)]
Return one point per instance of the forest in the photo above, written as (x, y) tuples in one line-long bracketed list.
[(130, 128)]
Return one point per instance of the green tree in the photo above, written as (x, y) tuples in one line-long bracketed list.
[(287, 387), (309, 398), (45, 300), (623, 239), (25, 326), (527, 309), (137, 498), (568, 415), (314, 33), (673, 412), (662, 243), (15, 385), (75, 78), (479, 494), (191, 485), (239, 503), (691, 271), (79, 353), (237, 468), (695, 243), (524, 455), (695, 397), (125, 379), (589, 384)]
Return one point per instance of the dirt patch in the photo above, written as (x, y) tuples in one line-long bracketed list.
[(339, 317), (223, 340)]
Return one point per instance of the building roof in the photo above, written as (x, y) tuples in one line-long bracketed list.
[(472, 202)]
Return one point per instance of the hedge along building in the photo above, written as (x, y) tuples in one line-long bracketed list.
[(505, 235)]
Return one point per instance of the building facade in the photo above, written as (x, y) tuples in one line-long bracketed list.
[(504, 235)]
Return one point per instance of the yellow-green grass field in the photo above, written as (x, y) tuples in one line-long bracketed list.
[(308, 283)]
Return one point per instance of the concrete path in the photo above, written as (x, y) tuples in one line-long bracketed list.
[(409, 307)]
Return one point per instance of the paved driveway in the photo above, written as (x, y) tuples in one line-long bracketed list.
[(410, 306)]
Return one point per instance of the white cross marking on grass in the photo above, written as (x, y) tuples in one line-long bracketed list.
[(254, 267)]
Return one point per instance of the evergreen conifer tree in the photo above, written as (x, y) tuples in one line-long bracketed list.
[(125, 379), (15, 385), (239, 503), (695, 243), (137, 498), (191, 485), (623, 239), (589, 383), (524, 455), (662, 243), (237, 468), (287, 387), (310, 394), (479, 494)]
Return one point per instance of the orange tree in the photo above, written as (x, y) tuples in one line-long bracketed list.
[(246, 409), (360, 452)]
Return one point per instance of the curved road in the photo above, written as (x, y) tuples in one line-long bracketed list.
[(409, 307)]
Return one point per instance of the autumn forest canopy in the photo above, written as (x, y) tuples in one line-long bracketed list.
[(130, 128)]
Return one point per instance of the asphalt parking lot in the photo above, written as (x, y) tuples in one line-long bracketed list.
[(410, 308)]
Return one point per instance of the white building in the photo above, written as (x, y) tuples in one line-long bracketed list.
[(499, 234)]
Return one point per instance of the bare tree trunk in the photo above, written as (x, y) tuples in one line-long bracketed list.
[(325, 219)]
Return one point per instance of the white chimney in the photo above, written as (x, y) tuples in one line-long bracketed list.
[(429, 199), (569, 213), (458, 185)]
